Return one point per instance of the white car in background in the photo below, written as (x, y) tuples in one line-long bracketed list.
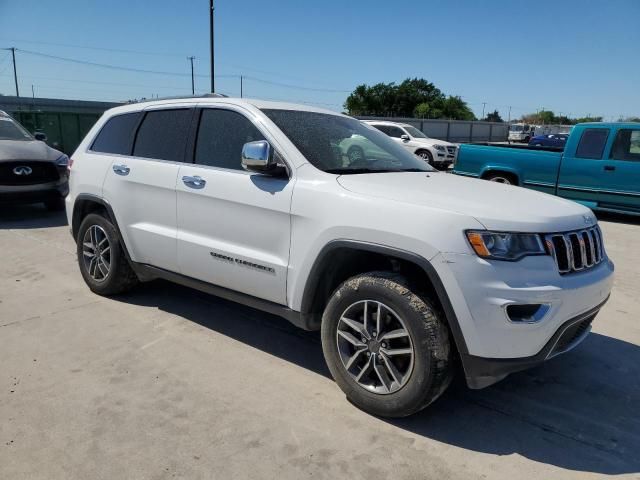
[(437, 153)]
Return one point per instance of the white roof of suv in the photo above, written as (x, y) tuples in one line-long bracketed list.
[(261, 104)]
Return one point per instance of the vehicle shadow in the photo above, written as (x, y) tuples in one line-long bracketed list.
[(30, 216), (578, 412)]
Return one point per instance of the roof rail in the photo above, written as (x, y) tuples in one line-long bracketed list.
[(179, 97)]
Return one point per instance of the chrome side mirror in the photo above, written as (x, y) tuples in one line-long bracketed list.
[(404, 138), (258, 156)]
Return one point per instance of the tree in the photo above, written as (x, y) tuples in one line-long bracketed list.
[(415, 97), (493, 117)]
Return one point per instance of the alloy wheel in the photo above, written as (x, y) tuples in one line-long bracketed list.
[(375, 346), (96, 253)]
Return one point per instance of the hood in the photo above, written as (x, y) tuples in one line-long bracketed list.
[(496, 206), (27, 150)]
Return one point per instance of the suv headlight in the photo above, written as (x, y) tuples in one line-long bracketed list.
[(62, 161), (440, 148), (505, 246)]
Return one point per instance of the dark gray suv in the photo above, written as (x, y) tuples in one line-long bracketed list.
[(30, 170)]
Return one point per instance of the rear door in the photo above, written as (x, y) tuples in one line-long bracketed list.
[(233, 225), (141, 187)]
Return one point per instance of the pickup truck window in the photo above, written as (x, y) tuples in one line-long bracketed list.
[(626, 145), (592, 143), (221, 136), (343, 145)]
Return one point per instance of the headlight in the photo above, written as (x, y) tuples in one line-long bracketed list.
[(505, 246), (62, 161), (440, 148)]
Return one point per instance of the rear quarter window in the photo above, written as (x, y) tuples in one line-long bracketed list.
[(116, 136), (592, 143)]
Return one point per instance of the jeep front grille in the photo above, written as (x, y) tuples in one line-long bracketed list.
[(576, 251)]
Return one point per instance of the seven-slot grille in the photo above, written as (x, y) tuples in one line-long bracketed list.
[(578, 250)]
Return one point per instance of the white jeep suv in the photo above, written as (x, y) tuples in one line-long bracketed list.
[(437, 153), (406, 271)]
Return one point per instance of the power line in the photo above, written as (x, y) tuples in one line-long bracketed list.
[(86, 47), (298, 87), (178, 74)]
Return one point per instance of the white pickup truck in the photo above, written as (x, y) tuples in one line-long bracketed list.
[(410, 274)]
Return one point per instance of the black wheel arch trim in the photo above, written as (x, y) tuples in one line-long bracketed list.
[(315, 276), (76, 221)]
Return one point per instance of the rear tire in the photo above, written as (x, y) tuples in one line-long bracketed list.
[(499, 177), (101, 259), (370, 361)]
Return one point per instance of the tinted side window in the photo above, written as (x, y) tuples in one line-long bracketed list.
[(592, 143), (395, 132), (117, 134), (221, 135), (383, 128), (626, 145), (163, 134)]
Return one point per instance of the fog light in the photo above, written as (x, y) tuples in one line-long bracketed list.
[(527, 313)]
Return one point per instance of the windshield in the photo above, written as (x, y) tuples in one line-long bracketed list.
[(343, 145), (10, 130), (414, 132), (515, 128)]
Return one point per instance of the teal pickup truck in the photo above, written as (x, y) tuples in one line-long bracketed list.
[(599, 166)]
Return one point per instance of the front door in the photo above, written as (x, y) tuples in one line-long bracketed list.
[(584, 173), (233, 225)]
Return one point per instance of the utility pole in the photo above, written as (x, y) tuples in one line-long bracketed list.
[(240, 86), (193, 88), (483, 105), (33, 92), (213, 88), (15, 73), (509, 121)]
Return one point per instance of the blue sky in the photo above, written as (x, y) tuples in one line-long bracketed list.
[(578, 57)]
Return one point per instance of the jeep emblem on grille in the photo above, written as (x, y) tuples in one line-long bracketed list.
[(22, 170), (587, 219)]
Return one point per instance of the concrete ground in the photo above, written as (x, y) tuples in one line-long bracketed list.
[(167, 383)]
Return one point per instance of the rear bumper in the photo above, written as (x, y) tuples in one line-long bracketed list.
[(481, 372), (34, 193)]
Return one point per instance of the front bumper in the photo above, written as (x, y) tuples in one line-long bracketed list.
[(481, 372), (481, 290), (38, 192)]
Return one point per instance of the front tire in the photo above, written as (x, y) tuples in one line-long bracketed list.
[(101, 258), (387, 348), (426, 156)]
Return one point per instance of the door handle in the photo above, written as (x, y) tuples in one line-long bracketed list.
[(121, 169), (609, 168), (194, 182)]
